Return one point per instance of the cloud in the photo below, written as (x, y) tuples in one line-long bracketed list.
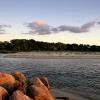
[(41, 28), (74, 29), (98, 23), (2, 28), (69, 28), (87, 26)]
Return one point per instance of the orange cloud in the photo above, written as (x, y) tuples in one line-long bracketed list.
[(39, 23)]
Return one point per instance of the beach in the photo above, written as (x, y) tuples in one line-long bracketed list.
[(54, 55)]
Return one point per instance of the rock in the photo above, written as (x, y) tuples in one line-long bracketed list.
[(45, 81), (18, 85), (20, 77), (37, 81), (23, 81), (7, 81), (39, 92), (3, 94), (18, 95), (22, 88)]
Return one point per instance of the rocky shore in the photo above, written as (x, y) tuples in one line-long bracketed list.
[(16, 86)]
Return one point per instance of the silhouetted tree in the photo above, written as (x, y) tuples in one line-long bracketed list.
[(31, 45)]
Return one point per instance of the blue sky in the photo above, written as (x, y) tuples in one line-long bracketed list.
[(55, 13)]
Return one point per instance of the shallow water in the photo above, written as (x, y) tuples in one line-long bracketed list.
[(78, 76)]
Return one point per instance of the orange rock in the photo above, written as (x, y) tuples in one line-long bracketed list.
[(18, 95), (3, 94), (17, 84), (45, 81), (22, 88), (7, 81), (37, 81), (20, 77), (23, 81), (6, 78), (39, 93)]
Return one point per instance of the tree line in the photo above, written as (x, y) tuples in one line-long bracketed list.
[(18, 45)]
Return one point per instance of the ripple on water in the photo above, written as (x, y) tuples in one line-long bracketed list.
[(78, 76)]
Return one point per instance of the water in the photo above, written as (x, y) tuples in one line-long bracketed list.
[(78, 76)]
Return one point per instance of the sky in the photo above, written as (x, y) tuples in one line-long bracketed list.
[(66, 21)]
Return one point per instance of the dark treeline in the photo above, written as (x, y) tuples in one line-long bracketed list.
[(17, 45)]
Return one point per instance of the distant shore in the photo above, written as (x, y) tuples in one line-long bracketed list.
[(54, 55)]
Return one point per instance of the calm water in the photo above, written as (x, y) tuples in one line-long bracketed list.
[(79, 76)]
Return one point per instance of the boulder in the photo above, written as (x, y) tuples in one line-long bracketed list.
[(18, 95), (39, 92), (20, 77), (3, 94), (22, 88), (22, 80), (7, 81), (17, 84), (36, 81), (45, 81)]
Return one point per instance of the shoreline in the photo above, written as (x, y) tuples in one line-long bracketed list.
[(54, 55)]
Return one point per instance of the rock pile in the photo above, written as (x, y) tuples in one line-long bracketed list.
[(16, 86)]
